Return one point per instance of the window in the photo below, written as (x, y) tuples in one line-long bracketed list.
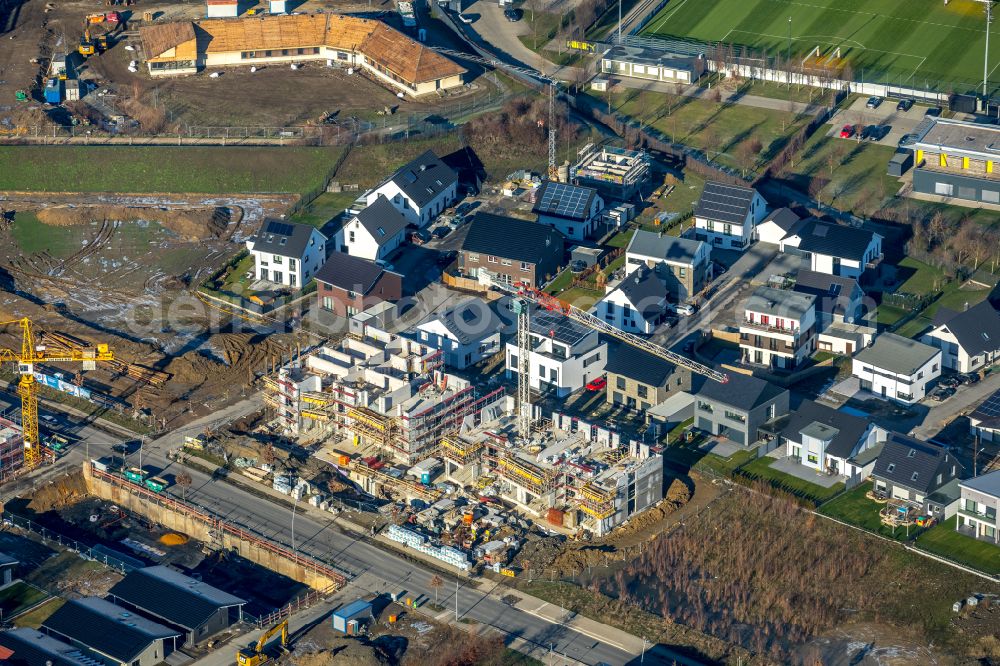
[(327, 303), (492, 259), (991, 196), (505, 262), (891, 468), (291, 264), (620, 383), (966, 192), (914, 476), (352, 294), (683, 272), (734, 416), (944, 189), (276, 259), (643, 391), (813, 458), (593, 359), (912, 453), (525, 266), (474, 257), (350, 236), (705, 407)]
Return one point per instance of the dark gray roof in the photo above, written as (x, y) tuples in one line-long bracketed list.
[(976, 329), (349, 272), (985, 483), (784, 218), (6, 559), (33, 648), (645, 291), (662, 246), (835, 240), (912, 463), (849, 428), (570, 202), (382, 220), (171, 596), (286, 239), (424, 178), (725, 203), (897, 354), (988, 412), (833, 292), (106, 628), (470, 320), (780, 302), (638, 365), (511, 238), (643, 55), (743, 392)]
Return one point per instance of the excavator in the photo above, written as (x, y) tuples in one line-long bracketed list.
[(255, 655)]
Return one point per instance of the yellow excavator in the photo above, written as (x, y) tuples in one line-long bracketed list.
[(255, 655)]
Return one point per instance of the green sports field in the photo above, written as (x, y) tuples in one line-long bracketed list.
[(903, 42)]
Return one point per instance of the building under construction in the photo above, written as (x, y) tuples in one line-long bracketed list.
[(11, 448), (579, 478), (379, 391), (616, 173)]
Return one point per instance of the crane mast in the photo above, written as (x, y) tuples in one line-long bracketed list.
[(527, 293), (553, 169)]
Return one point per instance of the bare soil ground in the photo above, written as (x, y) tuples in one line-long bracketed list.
[(120, 270)]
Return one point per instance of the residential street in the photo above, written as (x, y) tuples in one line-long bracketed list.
[(963, 402)]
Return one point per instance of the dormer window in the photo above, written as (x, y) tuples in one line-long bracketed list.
[(912, 453), (891, 468)]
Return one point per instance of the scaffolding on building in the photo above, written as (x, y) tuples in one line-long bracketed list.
[(596, 501), (389, 481), (460, 451), (523, 473)]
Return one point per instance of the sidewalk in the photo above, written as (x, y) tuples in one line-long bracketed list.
[(727, 96)]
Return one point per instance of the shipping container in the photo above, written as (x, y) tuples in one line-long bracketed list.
[(156, 484), (136, 474), (53, 91)]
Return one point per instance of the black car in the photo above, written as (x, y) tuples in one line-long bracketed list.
[(513, 15), (907, 139), (933, 112), (905, 104), (874, 102), (442, 231)]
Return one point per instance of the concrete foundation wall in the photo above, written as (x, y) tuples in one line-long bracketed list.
[(174, 515)]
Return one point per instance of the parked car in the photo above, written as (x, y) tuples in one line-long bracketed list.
[(847, 131), (970, 378), (513, 15), (685, 309), (419, 237), (874, 102), (442, 231), (905, 104), (597, 384), (942, 393), (932, 112), (950, 381)]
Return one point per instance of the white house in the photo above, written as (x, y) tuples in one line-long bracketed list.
[(827, 440), (286, 253), (682, 263), (636, 304), (969, 340), (777, 225), (572, 210), (726, 215), (835, 249), (897, 368), (420, 190), (565, 355), (979, 507), (778, 328), (375, 231), (466, 334)]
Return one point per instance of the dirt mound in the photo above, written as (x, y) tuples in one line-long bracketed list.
[(189, 223), (173, 539), (62, 492), (343, 652)]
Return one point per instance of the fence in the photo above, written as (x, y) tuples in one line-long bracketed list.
[(91, 553)]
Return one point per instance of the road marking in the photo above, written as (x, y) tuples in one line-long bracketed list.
[(576, 629)]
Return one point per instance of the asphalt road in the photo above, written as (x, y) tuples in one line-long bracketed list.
[(370, 568)]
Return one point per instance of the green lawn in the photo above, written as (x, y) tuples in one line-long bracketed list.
[(725, 132), (18, 597), (621, 239), (324, 208), (689, 455), (927, 280), (761, 469), (212, 169), (883, 40), (854, 508), (943, 540), (562, 281)]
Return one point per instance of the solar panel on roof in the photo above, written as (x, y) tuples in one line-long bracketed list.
[(991, 407), (280, 228), (565, 200), (558, 327)]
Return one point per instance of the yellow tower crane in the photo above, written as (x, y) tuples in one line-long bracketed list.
[(27, 387)]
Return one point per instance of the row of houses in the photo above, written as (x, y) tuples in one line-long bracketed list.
[(145, 618)]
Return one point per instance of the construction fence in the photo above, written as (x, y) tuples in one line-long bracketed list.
[(124, 564)]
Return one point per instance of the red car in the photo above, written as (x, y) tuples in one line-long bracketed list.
[(847, 131), (598, 384)]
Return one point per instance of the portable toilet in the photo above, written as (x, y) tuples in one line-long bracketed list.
[(277, 7), (350, 616)]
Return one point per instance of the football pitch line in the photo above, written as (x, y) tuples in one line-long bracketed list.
[(819, 37), (668, 15)]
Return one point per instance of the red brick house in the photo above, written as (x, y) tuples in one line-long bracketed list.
[(346, 285), (515, 250)]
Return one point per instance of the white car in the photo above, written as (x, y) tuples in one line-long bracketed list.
[(685, 309)]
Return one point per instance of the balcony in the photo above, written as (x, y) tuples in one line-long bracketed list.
[(769, 328), (768, 344), (981, 517)]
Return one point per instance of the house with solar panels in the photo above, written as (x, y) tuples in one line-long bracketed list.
[(420, 190), (984, 421), (286, 253), (727, 215), (180, 602), (514, 250), (573, 210), (565, 355)]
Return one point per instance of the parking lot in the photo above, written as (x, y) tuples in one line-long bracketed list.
[(899, 122)]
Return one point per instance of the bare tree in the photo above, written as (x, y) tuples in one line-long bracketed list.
[(183, 480), (435, 584)]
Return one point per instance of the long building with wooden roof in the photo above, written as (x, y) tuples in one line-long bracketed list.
[(387, 54)]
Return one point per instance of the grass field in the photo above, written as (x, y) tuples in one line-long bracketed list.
[(918, 40), (167, 169), (943, 540)]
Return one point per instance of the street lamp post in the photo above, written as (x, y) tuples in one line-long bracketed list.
[(294, 504), (788, 54), (986, 51)]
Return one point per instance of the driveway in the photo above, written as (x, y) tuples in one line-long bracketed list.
[(965, 400), (901, 122)]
